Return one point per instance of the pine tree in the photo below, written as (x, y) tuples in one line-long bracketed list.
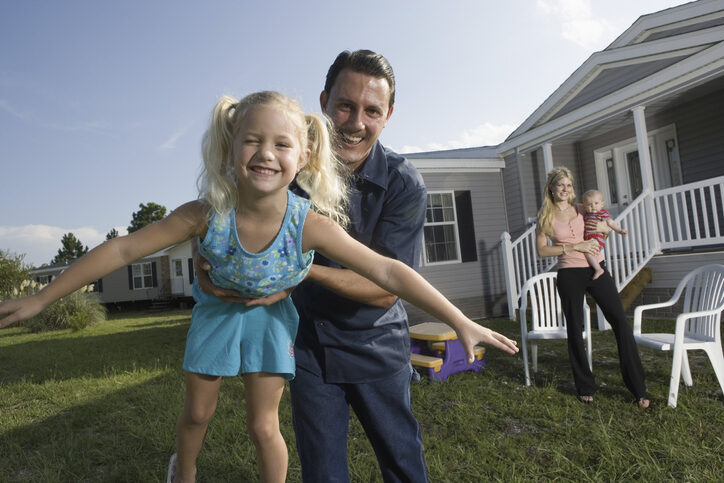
[(147, 214), (72, 248)]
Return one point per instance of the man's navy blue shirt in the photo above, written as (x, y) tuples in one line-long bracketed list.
[(346, 341)]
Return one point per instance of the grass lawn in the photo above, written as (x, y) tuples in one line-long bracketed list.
[(101, 405)]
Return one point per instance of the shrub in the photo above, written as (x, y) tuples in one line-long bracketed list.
[(75, 311)]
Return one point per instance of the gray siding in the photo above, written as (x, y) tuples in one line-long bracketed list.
[(476, 287), (668, 270), (700, 129), (115, 284), (513, 196)]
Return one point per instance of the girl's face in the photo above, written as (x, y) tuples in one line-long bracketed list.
[(562, 190), (267, 153)]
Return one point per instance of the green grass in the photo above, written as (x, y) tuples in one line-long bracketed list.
[(101, 404)]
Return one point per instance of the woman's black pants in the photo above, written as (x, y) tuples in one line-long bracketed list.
[(573, 283)]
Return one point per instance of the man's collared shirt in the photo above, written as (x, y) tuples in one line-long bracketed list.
[(344, 340)]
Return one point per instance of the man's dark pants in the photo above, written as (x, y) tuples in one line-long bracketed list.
[(321, 419)]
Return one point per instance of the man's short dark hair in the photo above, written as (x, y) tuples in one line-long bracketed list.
[(365, 62)]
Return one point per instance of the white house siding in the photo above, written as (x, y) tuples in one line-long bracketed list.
[(476, 287)]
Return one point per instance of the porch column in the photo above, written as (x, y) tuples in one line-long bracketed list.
[(642, 142), (547, 157)]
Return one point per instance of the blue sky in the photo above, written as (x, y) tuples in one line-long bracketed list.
[(103, 103)]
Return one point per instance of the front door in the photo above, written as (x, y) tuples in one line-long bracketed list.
[(177, 277)]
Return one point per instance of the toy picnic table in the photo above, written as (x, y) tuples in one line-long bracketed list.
[(435, 346)]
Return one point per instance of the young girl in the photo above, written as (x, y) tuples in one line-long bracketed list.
[(259, 239)]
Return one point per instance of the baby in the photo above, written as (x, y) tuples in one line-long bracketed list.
[(593, 204)]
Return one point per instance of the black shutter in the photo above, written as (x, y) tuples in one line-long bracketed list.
[(130, 277), (466, 227), (154, 283), (99, 285), (191, 270)]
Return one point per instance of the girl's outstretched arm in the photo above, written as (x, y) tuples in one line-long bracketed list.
[(325, 236), (186, 221)]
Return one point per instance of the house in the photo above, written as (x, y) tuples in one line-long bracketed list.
[(642, 121), (465, 215), (167, 274)]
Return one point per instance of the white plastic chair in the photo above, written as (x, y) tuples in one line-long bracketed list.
[(697, 327), (547, 319)]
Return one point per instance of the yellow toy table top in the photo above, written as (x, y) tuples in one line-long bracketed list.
[(432, 331)]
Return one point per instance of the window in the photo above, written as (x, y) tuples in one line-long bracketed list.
[(448, 234), (178, 270), (142, 275), (440, 229)]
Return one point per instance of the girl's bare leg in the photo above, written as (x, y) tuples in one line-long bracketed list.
[(202, 393), (263, 393)]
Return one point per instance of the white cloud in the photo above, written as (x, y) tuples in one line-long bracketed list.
[(170, 143), (98, 127), (40, 243), (486, 134), (577, 23)]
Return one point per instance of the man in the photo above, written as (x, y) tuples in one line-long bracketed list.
[(353, 344)]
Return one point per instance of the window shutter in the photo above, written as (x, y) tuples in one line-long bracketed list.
[(154, 283), (99, 285), (466, 227), (130, 277), (191, 270)]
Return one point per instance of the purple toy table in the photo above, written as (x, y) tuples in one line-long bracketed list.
[(427, 339)]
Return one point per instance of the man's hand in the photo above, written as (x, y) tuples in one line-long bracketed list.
[(202, 267)]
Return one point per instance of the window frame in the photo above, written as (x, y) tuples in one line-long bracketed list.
[(142, 275), (454, 223)]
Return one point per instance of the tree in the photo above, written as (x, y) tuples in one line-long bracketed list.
[(112, 234), (146, 215), (13, 272), (72, 248)]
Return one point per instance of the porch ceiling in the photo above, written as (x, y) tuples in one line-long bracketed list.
[(654, 106)]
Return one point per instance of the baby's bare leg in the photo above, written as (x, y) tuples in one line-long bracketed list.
[(593, 262)]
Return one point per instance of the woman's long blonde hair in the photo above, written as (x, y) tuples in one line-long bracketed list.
[(545, 214), (321, 177)]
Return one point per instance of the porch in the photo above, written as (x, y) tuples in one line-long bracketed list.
[(662, 221)]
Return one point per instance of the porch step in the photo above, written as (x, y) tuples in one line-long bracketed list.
[(635, 287)]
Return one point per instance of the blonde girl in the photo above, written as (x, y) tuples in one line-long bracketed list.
[(259, 239)]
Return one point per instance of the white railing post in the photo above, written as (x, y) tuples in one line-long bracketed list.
[(510, 287)]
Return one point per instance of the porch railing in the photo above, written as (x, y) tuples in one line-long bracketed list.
[(683, 216), (692, 216)]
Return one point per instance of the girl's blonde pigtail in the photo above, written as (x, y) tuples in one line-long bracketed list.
[(216, 183), (322, 176)]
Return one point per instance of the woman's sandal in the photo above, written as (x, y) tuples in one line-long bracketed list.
[(585, 399)]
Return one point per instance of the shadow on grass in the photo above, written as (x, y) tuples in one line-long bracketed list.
[(126, 436), (147, 346)]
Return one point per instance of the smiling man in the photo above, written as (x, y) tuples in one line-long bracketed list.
[(353, 343)]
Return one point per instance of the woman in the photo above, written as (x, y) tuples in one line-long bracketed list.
[(562, 221)]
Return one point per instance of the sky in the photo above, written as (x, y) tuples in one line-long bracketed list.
[(103, 103)]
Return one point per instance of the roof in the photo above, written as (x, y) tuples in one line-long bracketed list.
[(660, 55), (481, 159)]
